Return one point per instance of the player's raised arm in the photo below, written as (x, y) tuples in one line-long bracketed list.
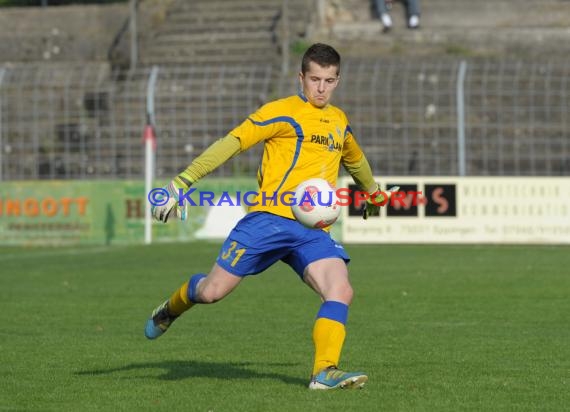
[(212, 158), (363, 177), (356, 164), (259, 126)]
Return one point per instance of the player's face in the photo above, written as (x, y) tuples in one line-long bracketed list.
[(318, 83)]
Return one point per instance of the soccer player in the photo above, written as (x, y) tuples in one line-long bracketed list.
[(304, 137)]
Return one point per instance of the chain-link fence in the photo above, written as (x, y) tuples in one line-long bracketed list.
[(61, 122), (78, 122)]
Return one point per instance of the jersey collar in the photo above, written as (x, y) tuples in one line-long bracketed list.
[(302, 96)]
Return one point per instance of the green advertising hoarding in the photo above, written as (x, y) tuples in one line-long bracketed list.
[(103, 212)]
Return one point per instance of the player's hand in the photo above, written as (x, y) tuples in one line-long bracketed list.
[(372, 206), (376, 200), (170, 208)]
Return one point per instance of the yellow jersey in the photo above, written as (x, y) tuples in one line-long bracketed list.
[(301, 142)]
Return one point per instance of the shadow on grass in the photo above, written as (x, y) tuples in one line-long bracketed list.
[(178, 370)]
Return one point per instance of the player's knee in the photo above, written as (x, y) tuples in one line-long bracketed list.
[(347, 294), (340, 293), (210, 294)]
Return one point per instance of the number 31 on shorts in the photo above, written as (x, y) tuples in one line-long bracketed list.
[(232, 251)]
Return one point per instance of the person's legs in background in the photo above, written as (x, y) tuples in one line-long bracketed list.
[(382, 11), (413, 13)]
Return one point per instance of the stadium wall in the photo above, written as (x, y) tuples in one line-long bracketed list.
[(60, 34)]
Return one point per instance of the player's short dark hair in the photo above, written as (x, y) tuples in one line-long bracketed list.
[(322, 54)]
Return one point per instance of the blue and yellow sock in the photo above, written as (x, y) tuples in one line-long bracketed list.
[(328, 334), (185, 296)]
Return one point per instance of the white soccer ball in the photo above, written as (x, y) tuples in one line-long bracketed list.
[(315, 204)]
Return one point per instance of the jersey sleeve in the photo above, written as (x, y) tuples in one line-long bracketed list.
[(213, 157), (351, 151), (356, 164), (259, 126)]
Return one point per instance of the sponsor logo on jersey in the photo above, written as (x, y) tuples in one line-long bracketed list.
[(329, 141)]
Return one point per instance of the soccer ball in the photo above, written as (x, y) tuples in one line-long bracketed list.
[(315, 204)]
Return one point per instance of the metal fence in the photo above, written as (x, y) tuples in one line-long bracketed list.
[(79, 122)]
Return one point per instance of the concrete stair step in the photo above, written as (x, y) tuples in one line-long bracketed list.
[(265, 26), (206, 5), (209, 4), (241, 15), (247, 38), (205, 61), (216, 27), (213, 50), (217, 7), (452, 40)]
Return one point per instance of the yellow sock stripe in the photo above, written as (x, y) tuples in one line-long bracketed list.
[(328, 337), (179, 302)]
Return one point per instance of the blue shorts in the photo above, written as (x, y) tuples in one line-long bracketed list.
[(260, 239)]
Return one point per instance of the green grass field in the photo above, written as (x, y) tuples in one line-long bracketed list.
[(437, 328)]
